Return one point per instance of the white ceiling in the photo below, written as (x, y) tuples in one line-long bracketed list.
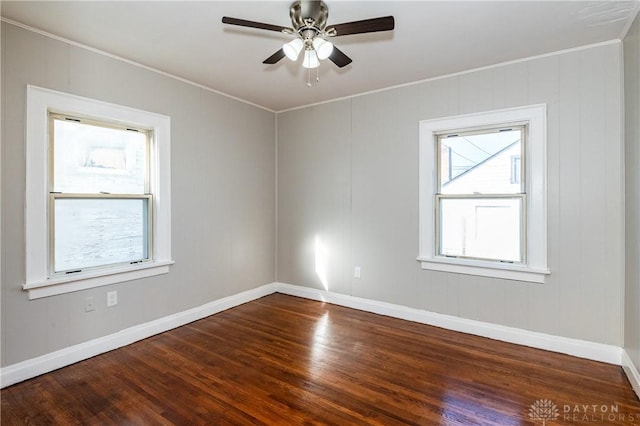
[(432, 38)]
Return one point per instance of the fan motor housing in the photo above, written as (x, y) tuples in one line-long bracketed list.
[(310, 14)]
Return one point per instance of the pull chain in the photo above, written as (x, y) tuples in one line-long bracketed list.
[(309, 76)]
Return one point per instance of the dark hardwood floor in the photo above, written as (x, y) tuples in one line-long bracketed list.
[(283, 360)]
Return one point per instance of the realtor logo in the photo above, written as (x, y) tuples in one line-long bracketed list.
[(544, 410)]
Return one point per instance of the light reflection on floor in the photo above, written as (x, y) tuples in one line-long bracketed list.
[(319, 354)]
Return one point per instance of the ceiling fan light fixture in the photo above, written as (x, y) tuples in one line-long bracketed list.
[(323, 48), (310, 59), (309, 27), (293, 48)]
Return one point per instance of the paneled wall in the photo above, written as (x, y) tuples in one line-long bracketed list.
[(223, 185), (632, 151), (348, 195)]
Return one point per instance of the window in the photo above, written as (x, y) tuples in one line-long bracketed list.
[(100, 206), (98, 193), (479, 211), (482, 194)]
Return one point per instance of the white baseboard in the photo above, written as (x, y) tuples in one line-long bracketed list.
[(43, 364), (579, 348), (632, 372)]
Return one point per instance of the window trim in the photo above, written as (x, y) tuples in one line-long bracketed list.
[(40, 102), (535, 267)]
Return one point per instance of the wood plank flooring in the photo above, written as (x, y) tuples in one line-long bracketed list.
[(282, 360)]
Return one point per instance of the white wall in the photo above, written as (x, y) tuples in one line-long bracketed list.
[(223, 185), (348, 175), (632, 151)]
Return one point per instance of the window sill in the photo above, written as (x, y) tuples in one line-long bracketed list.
[(486, 269), (68, 284)]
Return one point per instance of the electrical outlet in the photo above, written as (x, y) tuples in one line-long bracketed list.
[(112, 298), (356, 272), (90, 304)]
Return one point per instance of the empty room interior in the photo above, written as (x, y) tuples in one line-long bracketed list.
[(320, 212)]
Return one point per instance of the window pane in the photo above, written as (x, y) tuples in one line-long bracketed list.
[(94, 159), (480, 164), (484, 228), (95, 232)]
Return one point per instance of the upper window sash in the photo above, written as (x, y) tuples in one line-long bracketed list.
[(99, 139), (498, 140)]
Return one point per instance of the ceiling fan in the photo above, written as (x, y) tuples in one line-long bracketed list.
[(309, 24)]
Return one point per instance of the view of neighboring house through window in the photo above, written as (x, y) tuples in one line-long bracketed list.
[(481, 197), (99, 205)]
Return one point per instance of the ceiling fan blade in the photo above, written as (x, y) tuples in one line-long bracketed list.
[(253, 24), (373, 25), (339, 58), (274, 58)]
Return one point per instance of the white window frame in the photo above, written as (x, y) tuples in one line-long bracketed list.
[(440, 196), (38, 280), (535, 268), (146, 196)]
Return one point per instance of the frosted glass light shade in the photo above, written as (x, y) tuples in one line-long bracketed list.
[(323, 48), (292, 49), (310, 59)]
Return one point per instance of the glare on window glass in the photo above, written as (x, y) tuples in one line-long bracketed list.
[(95, 232), (483, 228), (94, 159)]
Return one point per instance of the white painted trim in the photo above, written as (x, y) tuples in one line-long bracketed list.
[(39, 102), (43, 364), (579, 348), (456, 74), (128, 61), (631, 371), (276, 197), (397, 86), (48, 362), (79, 282), (485, 269), (535, 269)]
